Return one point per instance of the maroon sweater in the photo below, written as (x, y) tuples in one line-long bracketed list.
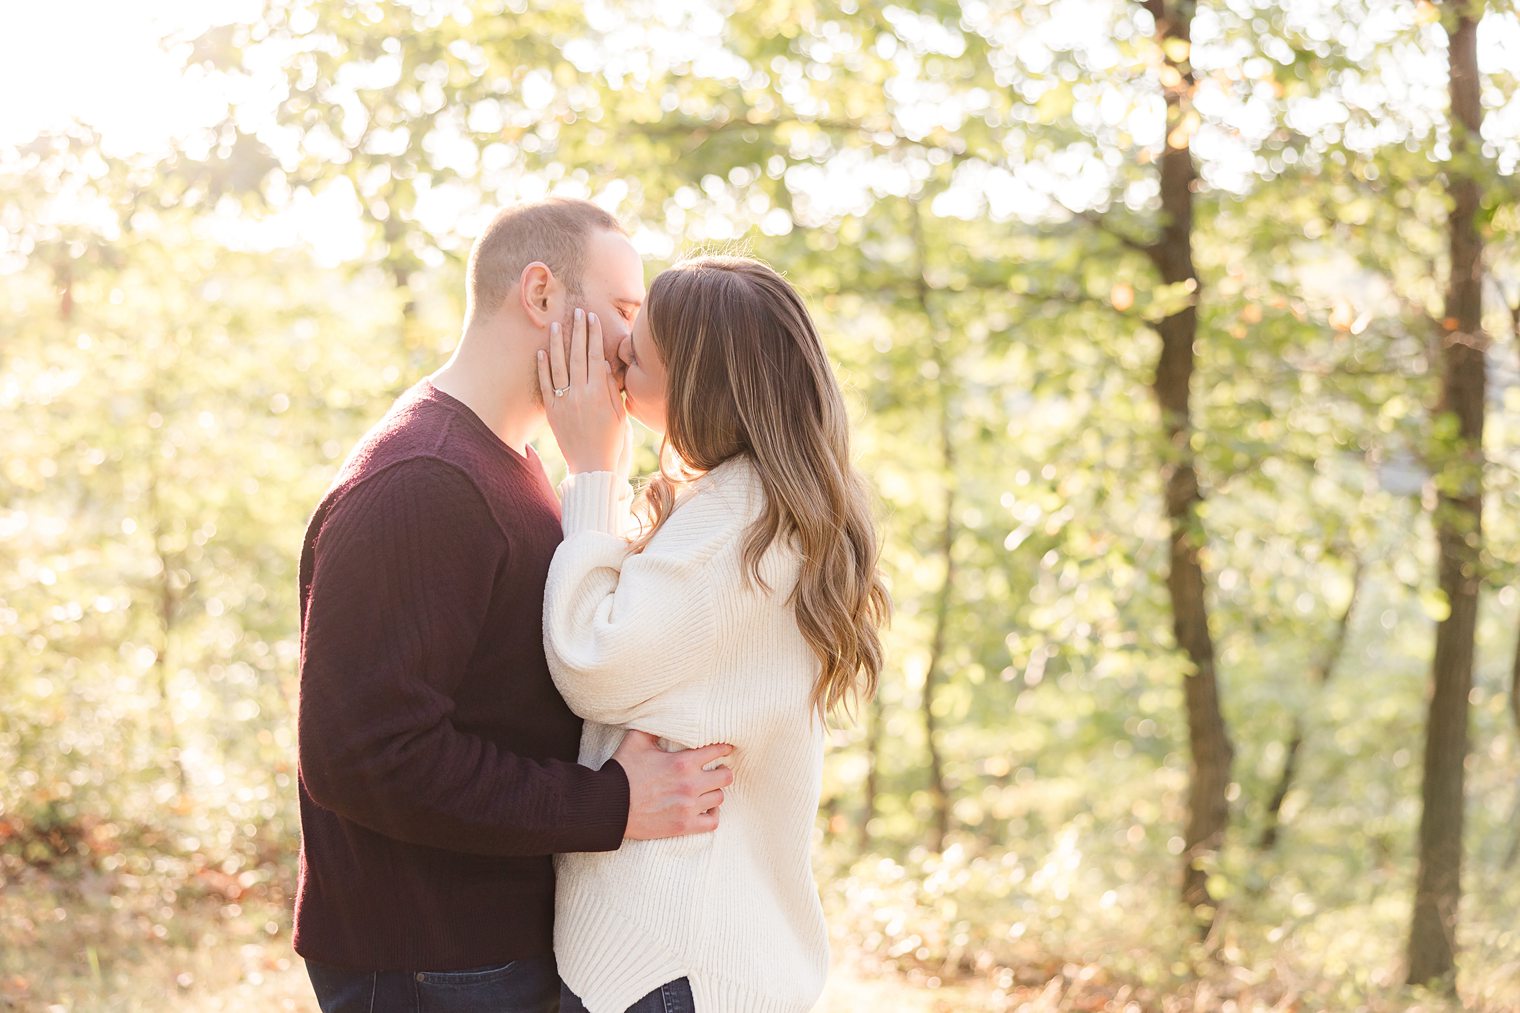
[(437, 761)]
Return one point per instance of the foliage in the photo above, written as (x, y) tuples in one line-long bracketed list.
[(958, 189)]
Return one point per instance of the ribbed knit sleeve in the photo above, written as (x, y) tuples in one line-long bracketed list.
[(400, 591), (621, 629), (594, 501)]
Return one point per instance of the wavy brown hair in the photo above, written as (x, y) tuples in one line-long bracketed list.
[(747, 374)]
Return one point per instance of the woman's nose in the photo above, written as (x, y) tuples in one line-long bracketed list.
[(625, 350)]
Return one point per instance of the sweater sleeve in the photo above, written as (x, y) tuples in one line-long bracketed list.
[(403, 575), (620, 630)]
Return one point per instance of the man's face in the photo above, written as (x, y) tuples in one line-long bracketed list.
[(612, 287)]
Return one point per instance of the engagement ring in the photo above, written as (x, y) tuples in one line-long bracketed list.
[(561, 391)]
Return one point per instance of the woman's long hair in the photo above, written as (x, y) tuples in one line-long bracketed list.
[(747, 374)]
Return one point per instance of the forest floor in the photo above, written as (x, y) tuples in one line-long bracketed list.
[(82, 945), (97, 944)]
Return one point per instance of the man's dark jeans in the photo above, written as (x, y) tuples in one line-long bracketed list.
[(672, 998), (522, 986)]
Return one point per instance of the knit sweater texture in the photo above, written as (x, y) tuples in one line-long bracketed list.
[(437, 761), (679, 642)]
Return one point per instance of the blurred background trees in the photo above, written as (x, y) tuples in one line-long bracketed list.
[(1166, 326)]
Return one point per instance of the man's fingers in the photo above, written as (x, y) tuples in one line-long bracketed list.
[(559, 373), (704, 755), (578, 349), (709, 801), (712, 780)]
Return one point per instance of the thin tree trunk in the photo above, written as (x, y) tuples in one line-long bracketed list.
[(874, 717), (1514, 675), (1324, 671), (1514, 712), (166, 610), (939, 792), (1211, 751), (401, 267), (1458, 521), (65, 281), (1514, 707), (1514, 688)]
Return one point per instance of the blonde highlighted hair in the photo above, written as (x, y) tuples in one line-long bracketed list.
[(747, 374)]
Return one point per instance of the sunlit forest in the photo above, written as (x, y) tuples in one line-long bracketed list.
[(1182, 340)]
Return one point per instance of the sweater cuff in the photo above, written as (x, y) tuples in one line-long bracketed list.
[(593, 501), (600, 809)]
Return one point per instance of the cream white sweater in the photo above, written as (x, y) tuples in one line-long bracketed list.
[(675, 642)]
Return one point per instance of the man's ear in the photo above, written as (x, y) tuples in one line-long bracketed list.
[(541, 294)]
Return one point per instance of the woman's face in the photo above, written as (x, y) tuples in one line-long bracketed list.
[(644, 384)]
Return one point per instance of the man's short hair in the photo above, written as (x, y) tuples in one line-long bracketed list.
[(555, 232)]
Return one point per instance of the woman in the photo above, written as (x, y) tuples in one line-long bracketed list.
[(744, 611)]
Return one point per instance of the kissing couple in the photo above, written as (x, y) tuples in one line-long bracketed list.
[(564, 752)]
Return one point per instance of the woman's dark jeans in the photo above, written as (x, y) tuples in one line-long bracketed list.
[(522, 986), (672, 998)]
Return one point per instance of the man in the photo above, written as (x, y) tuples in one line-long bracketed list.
[(437, 772)]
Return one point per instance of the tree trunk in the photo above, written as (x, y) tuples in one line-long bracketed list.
[(65, 283), (1458, 522), (1323, 673), (1514, 674), (874, 718), (939, 793), (1211, 751), (1514, 712), (166, 609), (1514, 677), (400, 265), (1514, 688)]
